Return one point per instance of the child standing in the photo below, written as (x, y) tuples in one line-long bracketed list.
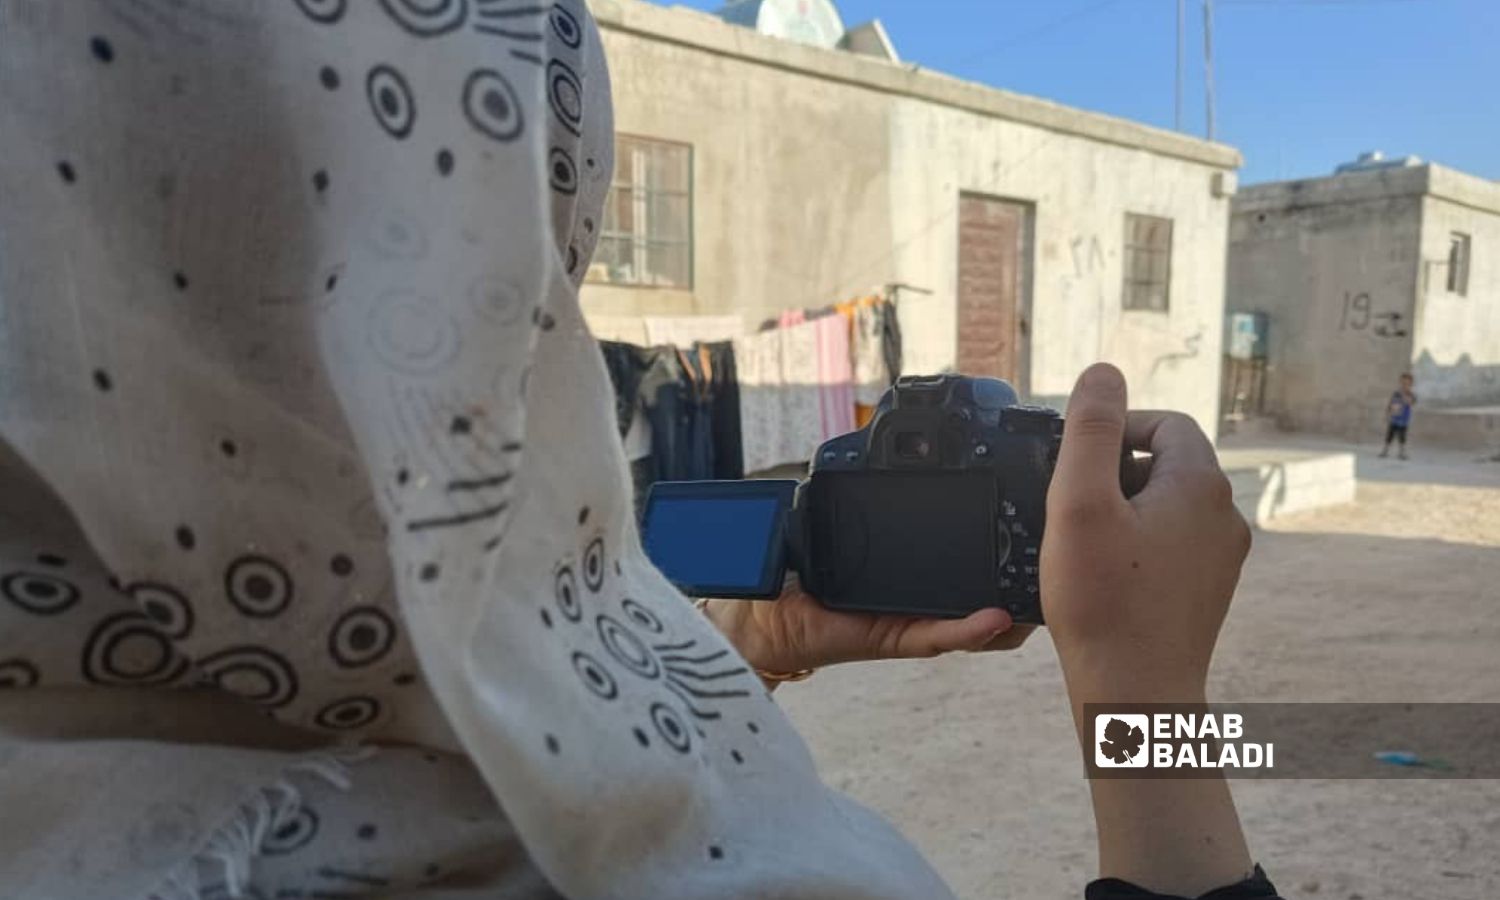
[(1399, 415)]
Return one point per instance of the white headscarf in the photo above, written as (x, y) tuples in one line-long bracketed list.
[(295, 387)]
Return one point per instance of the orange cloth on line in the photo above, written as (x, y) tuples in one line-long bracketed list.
[(862, 414)]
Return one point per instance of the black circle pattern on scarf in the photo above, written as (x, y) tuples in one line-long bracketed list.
[(325, 11), (593, 565), (255, 673), (627, 649), (671, 727), (565, 586), (565, 94), (427, 18), (642, 616), (492, 105), (128, 649), (165, 607), (18, 673), (595, 677), (39, 593), (348, 714), (565, 26), (563, 172), (258, 587), (361, 637), (391, 100), (291, 834)]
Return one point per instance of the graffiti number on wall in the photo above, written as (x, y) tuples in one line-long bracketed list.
[(1356, 312), (1358, 316)]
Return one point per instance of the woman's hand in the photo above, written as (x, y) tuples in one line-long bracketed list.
[(1135, 592), (796, 632)]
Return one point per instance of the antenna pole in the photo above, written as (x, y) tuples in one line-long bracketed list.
[(1177, 110), (1208, 62)]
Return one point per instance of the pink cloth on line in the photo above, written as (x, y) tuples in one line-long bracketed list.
[(835, 375)]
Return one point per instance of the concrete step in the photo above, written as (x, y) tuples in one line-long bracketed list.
[(1272, 481)]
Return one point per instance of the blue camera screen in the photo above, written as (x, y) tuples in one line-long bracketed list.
[(712, 541)]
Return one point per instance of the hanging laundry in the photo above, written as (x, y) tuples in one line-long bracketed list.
[(890, 324), (835, 375), (678, 411), (729, 454), (782, 397)]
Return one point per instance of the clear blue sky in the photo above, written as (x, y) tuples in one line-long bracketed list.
[(1302, 84)]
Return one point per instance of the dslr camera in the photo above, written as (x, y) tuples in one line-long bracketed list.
[(936, 508)]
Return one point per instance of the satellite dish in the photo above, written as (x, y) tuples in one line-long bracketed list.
[(815, 22)]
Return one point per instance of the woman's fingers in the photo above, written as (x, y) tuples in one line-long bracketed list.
[(1174, 441), (921, 638)]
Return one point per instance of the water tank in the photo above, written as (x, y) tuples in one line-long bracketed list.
[(1373, 160), (815, 22)]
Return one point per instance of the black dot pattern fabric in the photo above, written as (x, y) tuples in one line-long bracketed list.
[(298, 410)]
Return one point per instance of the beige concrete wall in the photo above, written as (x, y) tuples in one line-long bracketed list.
[(791, 201), (1306, 253), (820, 176), (1456, 355), (1081, 190)]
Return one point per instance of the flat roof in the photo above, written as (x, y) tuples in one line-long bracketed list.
[(1428, 180), (702, 31)]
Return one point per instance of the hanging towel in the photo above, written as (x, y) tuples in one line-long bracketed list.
[(835, 375)]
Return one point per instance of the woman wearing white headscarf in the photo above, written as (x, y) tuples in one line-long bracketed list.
[(302, 437)]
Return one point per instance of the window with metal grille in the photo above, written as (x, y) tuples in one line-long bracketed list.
[(1458, 264), (1148, 262), (646, 238)]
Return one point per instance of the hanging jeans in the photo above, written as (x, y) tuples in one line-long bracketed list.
[(728, 447)]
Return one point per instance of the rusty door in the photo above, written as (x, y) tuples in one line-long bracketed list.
[(993, 277)]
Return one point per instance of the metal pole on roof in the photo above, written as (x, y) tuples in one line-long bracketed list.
[(1181, 20), (1208, 62)]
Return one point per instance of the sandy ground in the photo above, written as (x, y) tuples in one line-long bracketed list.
[(1393, 598)]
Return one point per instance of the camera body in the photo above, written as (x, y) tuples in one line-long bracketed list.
[(937, 507)]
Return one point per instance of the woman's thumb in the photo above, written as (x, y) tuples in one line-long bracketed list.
[(1088, 466)]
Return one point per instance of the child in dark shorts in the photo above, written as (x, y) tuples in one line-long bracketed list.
[(1398, 412)]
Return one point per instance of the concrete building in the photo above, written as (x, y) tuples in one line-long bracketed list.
[(1385, 267), (756, 174)]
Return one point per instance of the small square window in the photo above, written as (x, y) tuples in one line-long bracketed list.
[(1148, 262)]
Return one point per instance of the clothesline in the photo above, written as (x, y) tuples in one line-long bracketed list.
[(723, 408)]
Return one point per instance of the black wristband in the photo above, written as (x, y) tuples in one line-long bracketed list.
[(1256, 887)]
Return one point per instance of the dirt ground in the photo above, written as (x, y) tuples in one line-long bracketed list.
[(1393, 598)]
